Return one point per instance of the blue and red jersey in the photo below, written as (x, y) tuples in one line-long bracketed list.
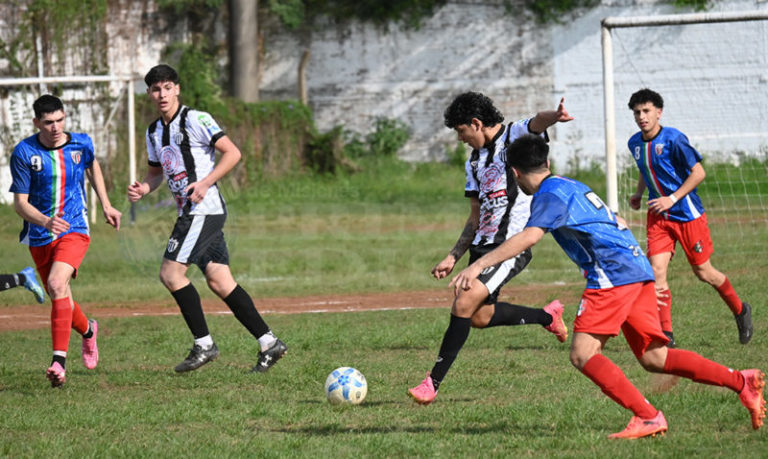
[(587, 230), (55, 183), (665, 162)]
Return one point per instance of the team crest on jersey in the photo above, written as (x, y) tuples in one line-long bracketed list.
[(173, 244), (659, 148), (637, 153), (76, 156), (36, 163), (178, 138)]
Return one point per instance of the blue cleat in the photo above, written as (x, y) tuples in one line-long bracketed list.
[(30, 283)]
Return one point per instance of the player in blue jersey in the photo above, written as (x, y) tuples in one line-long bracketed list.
[(181, 147), (671, 170), (619, 295), (497, 211), (48, 188)]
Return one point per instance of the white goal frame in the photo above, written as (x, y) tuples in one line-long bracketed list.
[(609, 23), (128, 81)]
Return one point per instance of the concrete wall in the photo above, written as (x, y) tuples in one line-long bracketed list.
[(713, 77)]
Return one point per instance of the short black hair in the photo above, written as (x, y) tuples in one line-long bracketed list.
[(528, 153), (160, 73), (47, 104), (472, 105), (646, 95)]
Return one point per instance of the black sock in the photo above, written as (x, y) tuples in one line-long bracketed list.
[(513, 314), (61, 359), (11, 280), (244, 310), (189, 302), (453, 340), (88, 334)]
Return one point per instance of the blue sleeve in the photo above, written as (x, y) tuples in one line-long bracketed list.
[(19, 173), (684, 153), (89, 154), (548, 212)]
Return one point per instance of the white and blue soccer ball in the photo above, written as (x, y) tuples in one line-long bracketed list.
[(347, 386)]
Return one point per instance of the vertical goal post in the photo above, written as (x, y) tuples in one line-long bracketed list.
[(609, 23), (127, 81)]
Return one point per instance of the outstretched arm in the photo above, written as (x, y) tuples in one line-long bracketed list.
[(444, 268), (547, 118), (96, 178), (512, 247)]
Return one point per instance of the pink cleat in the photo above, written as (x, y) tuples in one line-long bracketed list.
[(555, 309), (56, 375), (90, 349), (752, 396), (639, 427), (424, 393)]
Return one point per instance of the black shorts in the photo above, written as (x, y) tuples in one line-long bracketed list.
[(494, 277), (198, 239)]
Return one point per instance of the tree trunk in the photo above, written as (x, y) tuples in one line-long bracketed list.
[(303, 77), (243, 49)]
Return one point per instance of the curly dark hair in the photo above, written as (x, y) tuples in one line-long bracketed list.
[(528, 153), (646, 95), (160, 73), (472, 105)]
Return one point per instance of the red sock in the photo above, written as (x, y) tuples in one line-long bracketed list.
[(615, 385), (665, 312), (728, 294), (79, 321), (693, 366), (61, 323)]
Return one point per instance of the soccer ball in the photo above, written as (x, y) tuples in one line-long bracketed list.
[(345, 385)]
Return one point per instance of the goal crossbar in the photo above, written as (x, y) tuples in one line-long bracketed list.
[(612, 22)]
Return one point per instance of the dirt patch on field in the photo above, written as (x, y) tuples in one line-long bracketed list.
[(38, 316)]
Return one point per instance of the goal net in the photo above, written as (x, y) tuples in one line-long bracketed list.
[(714, 94), (101, 106)]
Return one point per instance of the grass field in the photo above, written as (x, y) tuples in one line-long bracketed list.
[(510, 393)]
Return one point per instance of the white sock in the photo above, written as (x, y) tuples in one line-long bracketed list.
[(267, 340), (205, 342)]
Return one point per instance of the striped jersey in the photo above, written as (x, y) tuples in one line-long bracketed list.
[(607, 253), (184, 149), (55, 183), (504, 209), (665, 162)]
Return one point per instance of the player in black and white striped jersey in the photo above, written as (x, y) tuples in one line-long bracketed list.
[(498, 211), (182, 145)]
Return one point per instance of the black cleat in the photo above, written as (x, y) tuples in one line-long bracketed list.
[(270, 357), (744, 322), (671, 344), (197, 358)]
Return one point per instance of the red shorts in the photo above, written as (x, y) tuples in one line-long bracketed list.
[(69, 249), (630, 308), (693, 236)]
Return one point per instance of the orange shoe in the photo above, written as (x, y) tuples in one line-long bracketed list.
[(639, 427), (555, 309), (424, 393), (752, 396)]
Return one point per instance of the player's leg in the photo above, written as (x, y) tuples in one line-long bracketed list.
[(220, 280), (464, 306), (697, 243), (25, 277), (601, 315), (61, 319), (662, 237), (497, 313), (647, 343)]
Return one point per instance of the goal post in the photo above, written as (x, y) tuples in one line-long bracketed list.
[(100, 136), (610, 23)]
